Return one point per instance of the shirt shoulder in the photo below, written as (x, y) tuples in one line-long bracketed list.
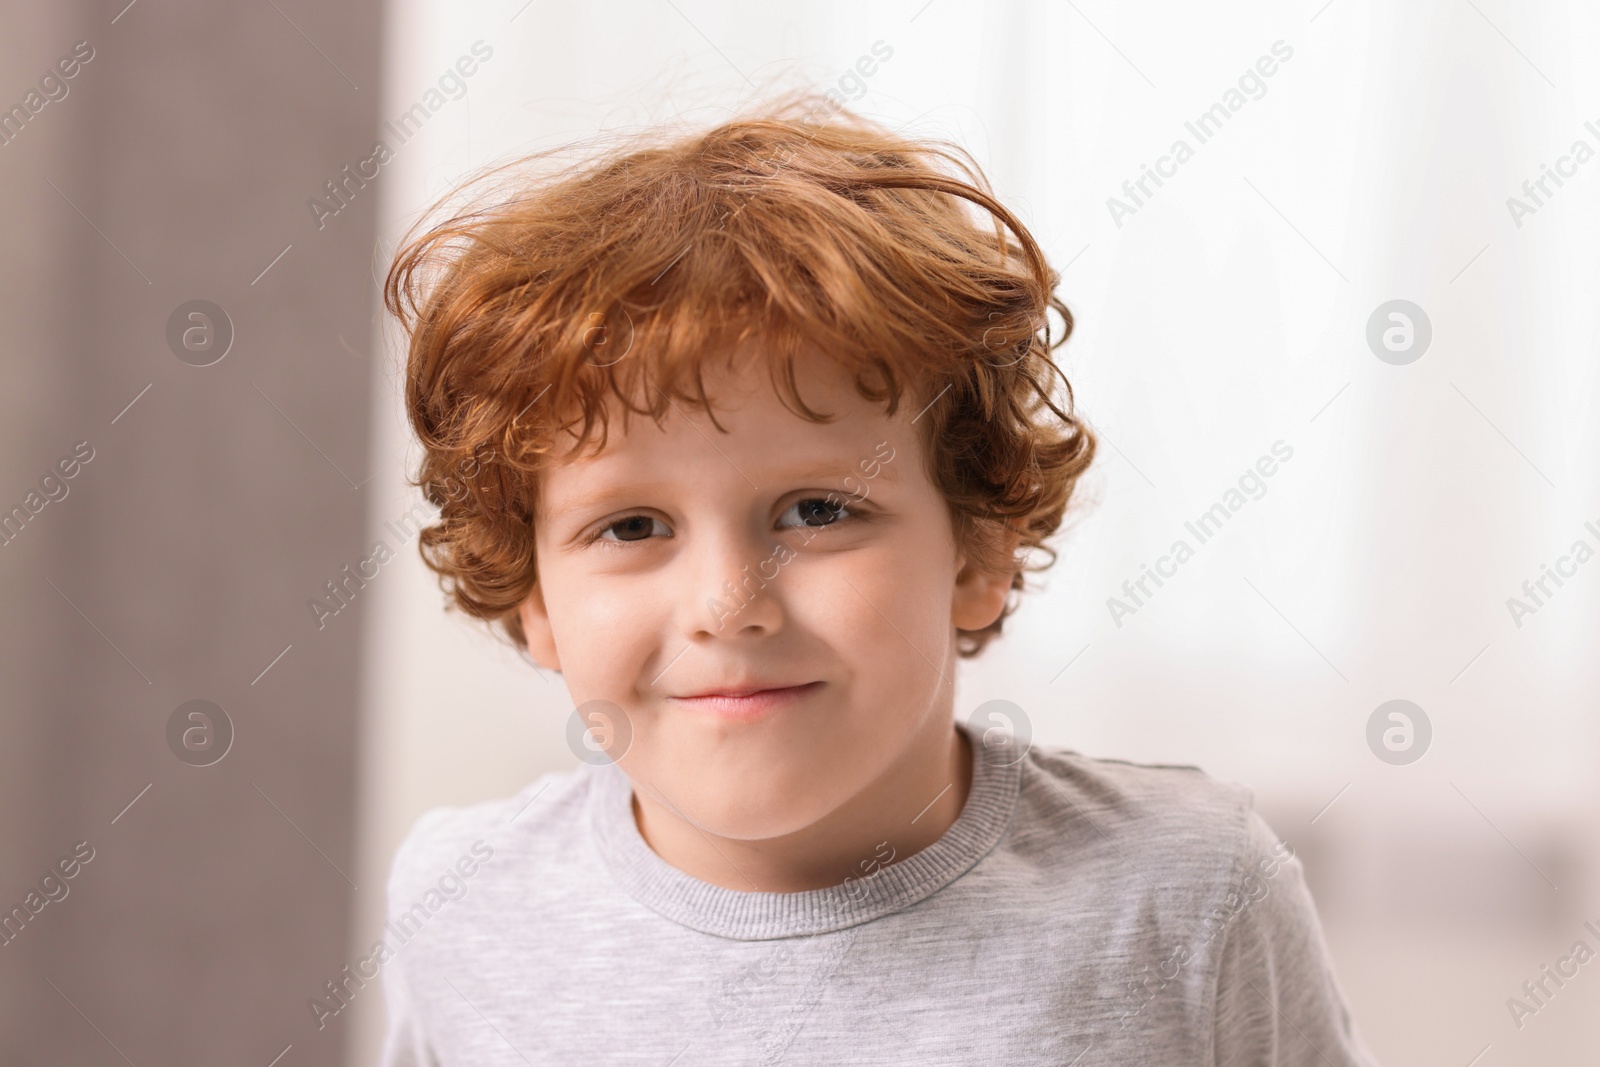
[(442, 837), (451, 860), (1200, 904), (1172, 825)]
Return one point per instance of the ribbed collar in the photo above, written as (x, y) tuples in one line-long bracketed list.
[(752, 916)]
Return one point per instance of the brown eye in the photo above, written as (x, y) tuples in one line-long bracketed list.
[(631, 528), (816, 512)]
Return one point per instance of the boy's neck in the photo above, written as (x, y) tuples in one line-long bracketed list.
[(908, 809)]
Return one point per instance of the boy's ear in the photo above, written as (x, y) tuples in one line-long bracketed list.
[(980, 596), (536, 629)]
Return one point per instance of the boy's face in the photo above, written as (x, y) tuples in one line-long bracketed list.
[(681, 561)]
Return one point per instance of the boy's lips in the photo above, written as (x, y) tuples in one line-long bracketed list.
[(745, 702)]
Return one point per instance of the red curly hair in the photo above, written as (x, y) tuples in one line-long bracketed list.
[(802, 227)]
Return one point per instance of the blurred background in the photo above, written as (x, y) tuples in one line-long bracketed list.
[(1375, 252)]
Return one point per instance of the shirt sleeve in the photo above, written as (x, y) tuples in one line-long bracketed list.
[(405, 1042), (1278, 1003)]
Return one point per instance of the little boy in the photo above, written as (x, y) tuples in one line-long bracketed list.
[(749, 434)]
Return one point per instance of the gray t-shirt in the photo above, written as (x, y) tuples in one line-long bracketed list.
[(1079, 911)]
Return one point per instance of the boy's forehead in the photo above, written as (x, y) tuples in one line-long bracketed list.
[(746, 403), (766, 442), (764, 434)]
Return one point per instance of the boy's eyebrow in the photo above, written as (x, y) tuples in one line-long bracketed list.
[(880, 469), (884, 470)]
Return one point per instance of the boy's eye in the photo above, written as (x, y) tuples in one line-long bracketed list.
[(815, 512), (630, 528)]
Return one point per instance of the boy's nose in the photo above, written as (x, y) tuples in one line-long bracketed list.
[(735, 588)]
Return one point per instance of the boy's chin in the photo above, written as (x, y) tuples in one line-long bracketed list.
[(758, 807)]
